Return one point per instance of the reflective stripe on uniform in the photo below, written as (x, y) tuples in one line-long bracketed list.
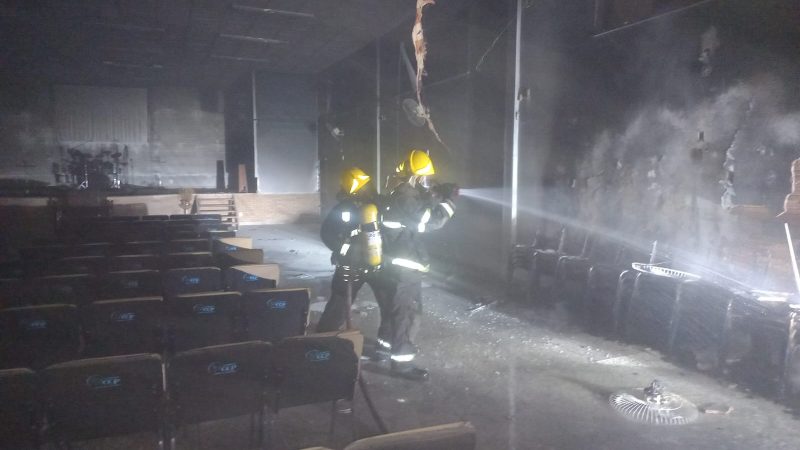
[(403, 358), (409, 264), (384, 344), (424, 221), (355, 232), (393, 225), (345, 248), (345, 216), (448, 208)]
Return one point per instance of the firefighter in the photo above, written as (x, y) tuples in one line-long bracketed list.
[(411, 209), (351, 232)]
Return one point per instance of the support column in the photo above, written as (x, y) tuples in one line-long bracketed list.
[(255, 130), (378, 178)]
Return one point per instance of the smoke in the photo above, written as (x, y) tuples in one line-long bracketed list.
[(663, 180)]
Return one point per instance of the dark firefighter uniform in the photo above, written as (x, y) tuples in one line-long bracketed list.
[(410, 211), (340, 233)]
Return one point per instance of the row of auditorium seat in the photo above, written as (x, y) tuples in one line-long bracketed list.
[(113, 229), (704, 325), (148, 316), (101, 397), (82, 288), (36, 336)]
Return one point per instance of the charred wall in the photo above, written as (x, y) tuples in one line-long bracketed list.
[(610, 132), (184, 136)]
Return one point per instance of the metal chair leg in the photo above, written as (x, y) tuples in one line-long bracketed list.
[(333, 422), (271, 418), (260, 429), (251, 431), (353, 422)]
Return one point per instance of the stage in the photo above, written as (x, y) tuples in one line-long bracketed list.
[(252, 209)]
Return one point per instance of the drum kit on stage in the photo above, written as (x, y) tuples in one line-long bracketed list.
[(85, 170)]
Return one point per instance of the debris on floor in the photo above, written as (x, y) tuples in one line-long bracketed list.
[(716, 408)]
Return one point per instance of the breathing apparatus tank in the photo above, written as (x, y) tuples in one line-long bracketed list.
[(371, 235)]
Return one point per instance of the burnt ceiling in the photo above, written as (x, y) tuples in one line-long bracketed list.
[(204, 42)]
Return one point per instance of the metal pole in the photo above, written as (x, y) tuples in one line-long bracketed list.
[(793, 256), (255, 129), (348, 320), (515, 142), (378, 114)]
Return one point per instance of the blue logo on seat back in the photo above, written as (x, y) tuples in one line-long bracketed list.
[(103, 382), (123, 316), (131, 284), (190, 280), (34, 324), (205, 309), (249, 277), (231, 248), (318, 355), (277, 304), (223, 368)]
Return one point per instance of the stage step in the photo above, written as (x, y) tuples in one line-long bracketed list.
[(222, 204)]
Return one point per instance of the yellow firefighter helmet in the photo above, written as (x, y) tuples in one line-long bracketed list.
[(353, 179), (417, 163)]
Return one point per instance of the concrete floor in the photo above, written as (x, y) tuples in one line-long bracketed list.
[(525, 378)]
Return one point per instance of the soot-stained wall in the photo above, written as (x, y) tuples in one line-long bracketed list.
[(287, 133), (610, 134), (185, 137)]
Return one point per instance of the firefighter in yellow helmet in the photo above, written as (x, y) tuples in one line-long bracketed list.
[(410, 210), (347, 231)]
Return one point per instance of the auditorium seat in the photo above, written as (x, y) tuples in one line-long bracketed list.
[(12, 269), (93, 265), (142, 248), (650, 311), (77, 289), (191, 280), (625, 287), (11, 292), (701, 324), (44, 252), (129, 284), (37, 336), (188, 259), (454, 436), (202, 320), (185, 230), (142, 231), (274, 314), (249, 277), (91, 249), (135, 262), (240, 257), (219, 382), (124, 326), (100, 397), (188, 245), (313, 369), (19, 409)]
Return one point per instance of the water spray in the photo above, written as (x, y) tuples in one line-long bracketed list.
[(495, 196)]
